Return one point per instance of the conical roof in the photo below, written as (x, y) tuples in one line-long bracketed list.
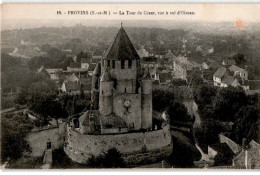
[(97, 69), (147, 74), (106, 76), (122, 48)]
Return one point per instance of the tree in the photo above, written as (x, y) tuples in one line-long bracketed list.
[(194, 78), (246, 125), (227, 102), (13, 132), (203, 95), (178, 113), (208, 132), (240, 59), (162, 99), (178, 82), (47, 106), (110, 159)]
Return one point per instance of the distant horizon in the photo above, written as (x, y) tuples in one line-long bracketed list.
[(13, 24)]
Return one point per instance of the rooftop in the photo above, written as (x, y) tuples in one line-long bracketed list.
[(220, 72), (121, 48)]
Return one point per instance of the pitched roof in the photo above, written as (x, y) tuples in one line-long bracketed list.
[(112, 121), (229, 61), (97, 69), (169, 54), (72, 86), (228, 79), (121, 48), (220, 72), (72, 78), (84, 119), (106, 76), (235, 68)]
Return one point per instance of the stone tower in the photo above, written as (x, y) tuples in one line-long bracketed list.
[(95, 87), (147, 106), (122, 90), (105, 94)]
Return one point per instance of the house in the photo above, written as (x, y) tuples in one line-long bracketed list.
[(180, 67), (229, 81), (53, 74), (75, 88), (71, 87), (72, 78), (249, 158), (214, 65), (228, 62), (237, 71), (218, 75), (205, 66), (43, 71)]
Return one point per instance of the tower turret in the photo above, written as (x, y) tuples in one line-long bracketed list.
[(95, 86), (105, 94), (146, 103)]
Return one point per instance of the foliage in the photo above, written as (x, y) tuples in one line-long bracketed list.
[(178, 113), (178, 82), (203, 95), (208, 132), (194, 78), (162, 99), (82, 55), (227, 102), (240, 59), (13, 132), (110, 159), (246, 125), (47, 106), (221, 160), (181, 156)]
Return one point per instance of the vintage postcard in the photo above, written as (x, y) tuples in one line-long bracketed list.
[(167, 86)]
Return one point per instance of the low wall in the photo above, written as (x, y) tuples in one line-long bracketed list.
[(135, 147), (38, 138)]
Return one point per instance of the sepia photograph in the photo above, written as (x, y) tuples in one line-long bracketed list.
[(130, 86)]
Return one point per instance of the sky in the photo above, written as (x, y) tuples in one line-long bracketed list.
[(14, 15)]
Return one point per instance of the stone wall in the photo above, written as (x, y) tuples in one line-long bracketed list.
[(38, 139), (145, 145), (133, 117)]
